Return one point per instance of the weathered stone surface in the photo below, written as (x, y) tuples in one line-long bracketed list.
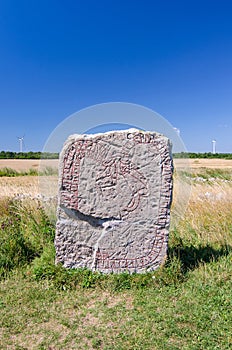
[(115, 193)]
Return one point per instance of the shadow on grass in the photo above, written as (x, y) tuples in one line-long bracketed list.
[(181, 259), (190, 256)]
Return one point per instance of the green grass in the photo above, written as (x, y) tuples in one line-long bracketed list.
[(185, 304), (208, 174), (192, 314), (25, 231), (9, 172)]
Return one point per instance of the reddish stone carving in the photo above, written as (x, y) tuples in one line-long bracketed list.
[(116, 186)]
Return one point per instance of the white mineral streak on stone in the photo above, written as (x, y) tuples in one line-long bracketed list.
[(107, 225), (114, 201)]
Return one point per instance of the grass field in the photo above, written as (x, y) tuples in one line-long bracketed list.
[(26, 164), (21, 164), (185, 304)]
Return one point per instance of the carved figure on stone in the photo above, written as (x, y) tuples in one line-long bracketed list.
[(115, 193)]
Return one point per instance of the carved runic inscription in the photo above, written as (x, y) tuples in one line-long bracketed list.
[(115, 194)]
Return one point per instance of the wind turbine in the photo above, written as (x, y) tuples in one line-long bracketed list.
[(177, 131), (21, 143), (213, 146)]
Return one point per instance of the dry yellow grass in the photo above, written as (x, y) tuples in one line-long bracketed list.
[(203, 163), (209, 212), (26, 164), (23, 165), (196, 201), (27, 185), (13, 186)]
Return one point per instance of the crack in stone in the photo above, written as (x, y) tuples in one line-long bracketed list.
[(92, 220), (107, 224), (114, 201)]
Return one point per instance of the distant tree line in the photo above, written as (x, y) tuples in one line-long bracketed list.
[(47, 155), (203, 155), (28, 155)]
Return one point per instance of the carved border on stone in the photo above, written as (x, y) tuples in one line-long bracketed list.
[(72, 156)]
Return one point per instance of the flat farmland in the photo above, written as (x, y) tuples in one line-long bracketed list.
[(24, 165), (26, 185), (31, 185), (44, 306), (204, 163)]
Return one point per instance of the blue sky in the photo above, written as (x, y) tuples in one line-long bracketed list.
[(58, 57)]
